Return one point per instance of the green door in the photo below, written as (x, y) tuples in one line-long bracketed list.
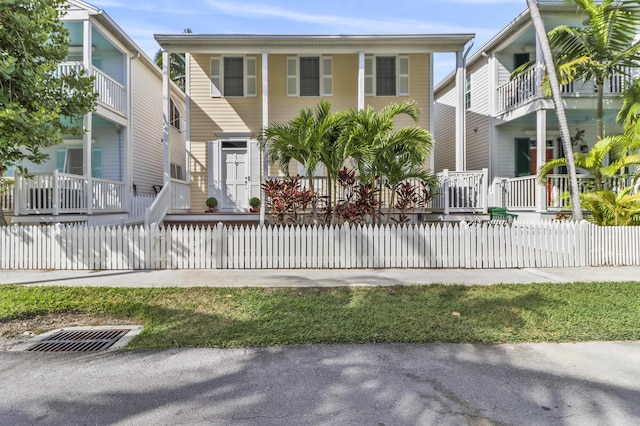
[(523, 157)]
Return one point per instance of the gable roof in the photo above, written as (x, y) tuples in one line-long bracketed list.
[(519, 23), (279, 43)]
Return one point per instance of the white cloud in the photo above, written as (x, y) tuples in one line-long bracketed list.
[(257, 11)]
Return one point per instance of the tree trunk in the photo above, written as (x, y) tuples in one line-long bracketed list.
[(574, 191), (599, 110)]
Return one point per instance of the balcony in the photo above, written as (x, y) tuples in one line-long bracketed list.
[(524, 89), (111, 94)]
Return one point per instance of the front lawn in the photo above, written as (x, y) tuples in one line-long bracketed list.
[(223, 317)]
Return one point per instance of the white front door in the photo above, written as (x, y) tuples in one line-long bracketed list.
[(234, 176)]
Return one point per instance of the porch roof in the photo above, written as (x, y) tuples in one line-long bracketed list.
[(281, 43)]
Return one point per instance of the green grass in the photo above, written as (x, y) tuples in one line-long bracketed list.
[(222, 317)]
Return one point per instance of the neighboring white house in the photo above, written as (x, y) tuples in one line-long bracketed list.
[(112, 173), (511, 127)]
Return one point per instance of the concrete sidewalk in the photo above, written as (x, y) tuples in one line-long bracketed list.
[(316, 277)]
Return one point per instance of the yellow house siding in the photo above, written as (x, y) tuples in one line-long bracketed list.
[(419, 84), (214, 115), (345, 88)]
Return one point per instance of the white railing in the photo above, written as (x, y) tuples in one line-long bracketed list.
[(180, 195), (460, 245), (110, 92), (524, 88), (460, 192), (158, 210), (6, 194), (518, 91), (515, 193), (139, 205), (456, 191), (107, 195), (58, 193)]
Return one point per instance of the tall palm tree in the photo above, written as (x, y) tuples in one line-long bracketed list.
[(304, 139), (574, 191), (605, 46), (177, 64), (383, 151)]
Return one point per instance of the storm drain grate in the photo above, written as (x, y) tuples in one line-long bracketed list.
[(79, 340)]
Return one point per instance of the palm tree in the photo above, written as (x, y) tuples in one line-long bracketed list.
[(303, 139), (384, 152), (574, 191), (594, 161), (614, 209), (602, 48), (177, 65)]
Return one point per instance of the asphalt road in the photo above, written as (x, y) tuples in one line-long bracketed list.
[(526, 384)]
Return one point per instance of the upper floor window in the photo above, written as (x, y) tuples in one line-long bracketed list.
[(174, 115), (309, 76), (233, 76), (467, 92), (386, 75)]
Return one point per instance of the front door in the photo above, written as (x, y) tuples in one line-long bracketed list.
[(235, 179)]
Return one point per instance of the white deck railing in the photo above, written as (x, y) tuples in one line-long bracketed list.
[(460, 192), (107, 195), (59, 193), (524, 88), (6, 194), (180, 195), (110, 93), (520, 192), (158, 210), (515, 193)]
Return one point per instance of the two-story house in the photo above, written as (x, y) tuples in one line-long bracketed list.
[(239, 84), (112, 174), (511, 125)]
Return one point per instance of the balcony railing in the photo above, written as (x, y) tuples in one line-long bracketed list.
[(524, 89), (110, 93)]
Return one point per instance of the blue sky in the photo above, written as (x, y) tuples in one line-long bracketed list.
[(140, 19)]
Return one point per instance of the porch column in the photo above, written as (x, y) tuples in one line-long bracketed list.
[(461, 154), (541, 150), (361, 81), (265, 124), (432, 114), (493, 102), (165, 114), (88, 119), (187, 89)]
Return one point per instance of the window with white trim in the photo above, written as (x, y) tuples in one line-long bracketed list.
[(309, 76), (467, 92), (71, 160), (386, 75), (174, 114), (233, 76)]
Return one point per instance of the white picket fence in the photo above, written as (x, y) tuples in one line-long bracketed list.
[(465, 245)]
